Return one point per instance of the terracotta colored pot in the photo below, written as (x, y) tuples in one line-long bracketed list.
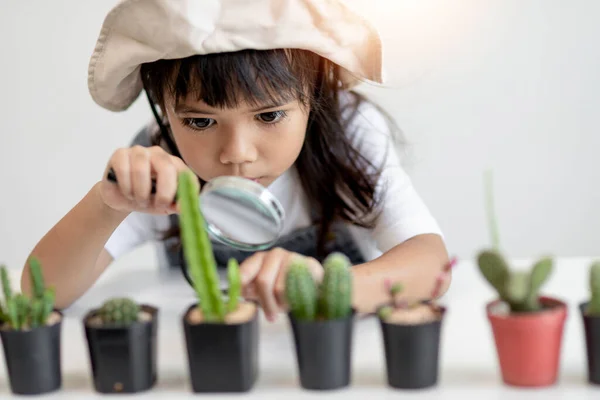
[(528, 345)]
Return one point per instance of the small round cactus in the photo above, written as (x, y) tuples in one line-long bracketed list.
[(119, 311)]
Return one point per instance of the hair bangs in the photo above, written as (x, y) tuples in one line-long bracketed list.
[(226, 80)]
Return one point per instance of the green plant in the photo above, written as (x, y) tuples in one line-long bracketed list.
[(22, 312), (394, 289), (519, 289), (119, 310), (199, 255), (235, 284), (593, 307), (331, 299)]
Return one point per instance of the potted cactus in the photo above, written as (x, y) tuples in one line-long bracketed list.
[(221, 333), (321, 317), (121, 338), (411, 336), (31, 335), (527, 326), (590, 314)]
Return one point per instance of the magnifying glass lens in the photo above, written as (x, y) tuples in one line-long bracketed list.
[(241, 213)]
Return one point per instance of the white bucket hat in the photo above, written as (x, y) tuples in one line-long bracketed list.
[(139, 31)]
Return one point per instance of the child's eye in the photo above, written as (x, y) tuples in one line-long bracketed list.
[(198, 123), (271, 117)]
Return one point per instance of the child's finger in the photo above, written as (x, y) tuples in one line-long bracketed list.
[(140, 174), (266, 280), (166, 179), (119, 162), (280, 284), (250, 267)]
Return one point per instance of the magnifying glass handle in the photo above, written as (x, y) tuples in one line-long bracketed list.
[(112, 177)]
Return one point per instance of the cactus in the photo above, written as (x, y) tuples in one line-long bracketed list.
[(519, 289), (235, 284), (394, 289), (119, 310), (331, 299), (301, 291), (335, 294), (198, 249), (21, 312), (593, 307)]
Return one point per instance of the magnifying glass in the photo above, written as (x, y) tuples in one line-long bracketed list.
[(239, 212)]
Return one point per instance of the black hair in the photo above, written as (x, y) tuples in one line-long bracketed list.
[(338, 180)]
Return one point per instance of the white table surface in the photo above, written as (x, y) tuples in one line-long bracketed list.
[(468, 359)]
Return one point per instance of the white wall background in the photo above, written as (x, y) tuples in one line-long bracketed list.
[(507, 84)]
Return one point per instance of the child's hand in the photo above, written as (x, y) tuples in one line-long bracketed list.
[(135, 168), (263, 278)]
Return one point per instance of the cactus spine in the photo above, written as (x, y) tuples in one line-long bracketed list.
[(335, 295), (119, 310), (332, 299), (21, 312), (198, 249), (235, 284), (519, 289), (593, 307)]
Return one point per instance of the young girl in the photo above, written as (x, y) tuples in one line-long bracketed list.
[(260, 90)]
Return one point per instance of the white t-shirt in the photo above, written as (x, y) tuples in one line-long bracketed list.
[(403, 215)]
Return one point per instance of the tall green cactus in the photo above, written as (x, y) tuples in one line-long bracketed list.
[(22, 312), (335, 294), (593, 307), (331, 299), (197, 249), (519, 289), (235, 284)]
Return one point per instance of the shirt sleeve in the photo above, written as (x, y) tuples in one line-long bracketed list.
[(135, 230), (403, 213)]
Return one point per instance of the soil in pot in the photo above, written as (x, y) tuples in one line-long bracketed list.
[(591, 327), (323, 352), (411, 339), (33, 356), (528, 344), (123, 356), (223, 357)]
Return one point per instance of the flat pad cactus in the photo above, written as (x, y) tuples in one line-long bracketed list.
[(519, 289)]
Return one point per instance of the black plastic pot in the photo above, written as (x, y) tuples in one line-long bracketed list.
[(591, 327), (412, 353), (323, 352), (33, 358), (123, 358), (222, 357)]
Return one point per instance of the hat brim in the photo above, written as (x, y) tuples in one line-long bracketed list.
[(136, 32)]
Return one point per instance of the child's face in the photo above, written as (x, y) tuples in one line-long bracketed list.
[(249, 141)]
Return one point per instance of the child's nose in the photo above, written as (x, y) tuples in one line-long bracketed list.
[(238, 148)]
